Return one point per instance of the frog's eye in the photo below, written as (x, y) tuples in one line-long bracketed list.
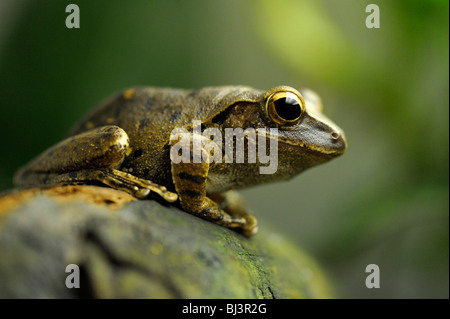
[(285, 108)]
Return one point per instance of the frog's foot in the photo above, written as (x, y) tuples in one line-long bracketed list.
[(245, 224), (138, 187), (233, 204)]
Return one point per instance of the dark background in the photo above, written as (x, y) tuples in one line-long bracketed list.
[(385, 201)]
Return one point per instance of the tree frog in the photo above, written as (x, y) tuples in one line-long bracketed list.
[(126, 142)]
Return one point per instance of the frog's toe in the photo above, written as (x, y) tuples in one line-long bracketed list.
[(251, 226), (170, 197), (142, 193)]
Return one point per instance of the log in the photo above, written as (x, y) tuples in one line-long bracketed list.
[(127, 248)]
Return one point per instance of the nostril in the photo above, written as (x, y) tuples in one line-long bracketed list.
[(335, 135)]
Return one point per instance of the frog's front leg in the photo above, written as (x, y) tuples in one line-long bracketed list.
[(190, 179), (92, 156)]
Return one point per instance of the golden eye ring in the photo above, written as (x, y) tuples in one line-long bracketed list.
[(285, 108)]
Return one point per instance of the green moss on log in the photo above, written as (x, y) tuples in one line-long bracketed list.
[(140, 249)]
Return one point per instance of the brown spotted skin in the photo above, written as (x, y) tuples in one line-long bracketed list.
[(125, 144)]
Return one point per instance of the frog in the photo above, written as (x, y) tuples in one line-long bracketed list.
[(127, 143)]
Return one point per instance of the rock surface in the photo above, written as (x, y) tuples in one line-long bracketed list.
[(139, 249)]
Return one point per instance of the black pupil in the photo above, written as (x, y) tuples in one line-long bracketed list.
[(288, 108)]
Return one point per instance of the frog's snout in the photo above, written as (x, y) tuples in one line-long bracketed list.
[(338, 142), (335, 135)]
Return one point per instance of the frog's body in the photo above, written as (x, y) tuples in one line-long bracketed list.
[(125, 143)]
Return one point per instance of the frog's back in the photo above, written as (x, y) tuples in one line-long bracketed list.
[(161, 108)]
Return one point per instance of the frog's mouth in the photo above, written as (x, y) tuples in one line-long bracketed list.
[(315, 135), (324, 148), (333, 149)]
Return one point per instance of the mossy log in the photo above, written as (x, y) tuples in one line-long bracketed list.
[(127, 248)]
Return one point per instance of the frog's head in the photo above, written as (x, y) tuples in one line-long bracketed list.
[(305, 136), (304, 133), (300, 121)]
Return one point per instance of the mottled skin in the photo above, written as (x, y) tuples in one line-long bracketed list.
[(125, 144)]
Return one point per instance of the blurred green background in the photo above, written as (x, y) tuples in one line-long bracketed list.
[(385, 201)]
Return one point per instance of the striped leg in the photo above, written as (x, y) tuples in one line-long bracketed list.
[(190, 183)]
